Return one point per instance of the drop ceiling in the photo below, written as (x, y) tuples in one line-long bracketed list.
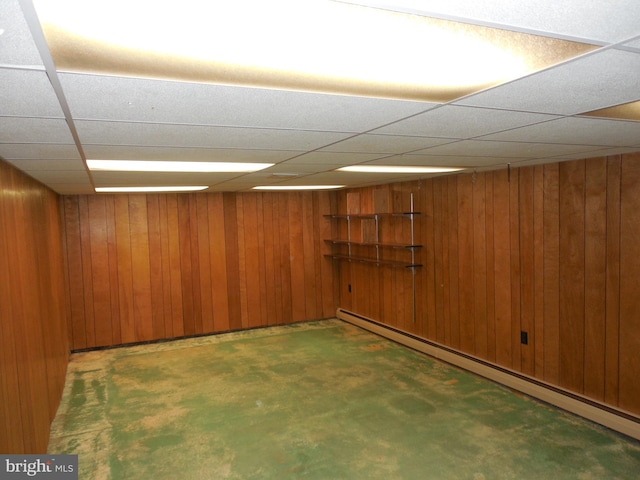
[(52, 119)]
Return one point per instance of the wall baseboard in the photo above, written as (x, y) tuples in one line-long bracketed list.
[(610, 417)]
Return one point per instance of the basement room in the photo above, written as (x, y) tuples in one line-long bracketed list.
[(320, 239)]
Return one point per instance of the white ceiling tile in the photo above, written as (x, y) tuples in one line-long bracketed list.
[(384, 144), (487, 148), (109, 152), (139, 100), (451, 160), (16, 44), (59, 176), (122, 179), (34, 130), (27, 93), (147, 134), (334, 158), (462, 122), (63, 165), (610, 21), (253, 178), (578, 131), (36, 151), (440, 160), (589, 83), (350, 178), (301, 168)]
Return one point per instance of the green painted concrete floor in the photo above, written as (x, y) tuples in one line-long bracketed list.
[(317, 400)]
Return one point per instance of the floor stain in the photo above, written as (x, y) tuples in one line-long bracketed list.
[(319, 400)]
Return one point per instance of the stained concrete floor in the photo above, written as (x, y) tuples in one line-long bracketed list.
[(317, 400)]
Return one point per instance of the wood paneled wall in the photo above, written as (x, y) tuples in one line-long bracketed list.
[(34, 345), (147, 267), (551, 250)]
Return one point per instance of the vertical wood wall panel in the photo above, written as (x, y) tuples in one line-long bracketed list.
[(612, 320), (175, 326), (99, 263), (73, 262), (34, 340), (194, 265), (481, 329), (502, 267), (308, 258), (538, 271), (217, 249), (264, 321), (242, 264), (116, 334), (489, 266), (629, 329), (296, 256), (595, 277), (87, 270), (437, 325), (446, 262), (551, 272), (284, 260), (233, 261), (156, 270), (454, 294), (125, 275), (527, 265), (465, 264), (431, 239), (146, 267), (572, 274), (515, 267), (551, 250), (186, 266)]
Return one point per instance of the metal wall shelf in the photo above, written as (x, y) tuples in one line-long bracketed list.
[(373, 261), (372, 215), (369, 241), (374, 244)]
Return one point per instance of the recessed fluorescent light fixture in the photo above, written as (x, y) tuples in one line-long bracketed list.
[(171, 166), (249, 42), (189, 188), (297, 187), (397, 169)]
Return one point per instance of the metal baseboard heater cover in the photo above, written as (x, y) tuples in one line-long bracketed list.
[(610, 417)]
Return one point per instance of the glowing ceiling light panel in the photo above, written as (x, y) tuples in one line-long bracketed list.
[(397, 169), (297, 187), (164, 189), (169, 166), (314, 45)]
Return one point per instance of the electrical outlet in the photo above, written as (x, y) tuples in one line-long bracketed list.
[(524, 338)]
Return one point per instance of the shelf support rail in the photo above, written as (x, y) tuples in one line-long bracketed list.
[(413, 260), (349, 234), (377, 239)]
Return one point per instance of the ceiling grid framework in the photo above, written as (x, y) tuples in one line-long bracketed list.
[(580, 107)]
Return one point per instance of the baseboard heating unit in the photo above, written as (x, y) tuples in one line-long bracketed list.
[(615, 419)]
